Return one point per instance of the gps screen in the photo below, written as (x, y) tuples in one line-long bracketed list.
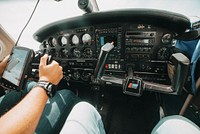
[(15, 66)]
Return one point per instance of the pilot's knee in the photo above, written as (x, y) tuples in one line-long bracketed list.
[(175, 124), (85, 106), (85, 110)]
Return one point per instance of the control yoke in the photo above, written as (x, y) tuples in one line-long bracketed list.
[(177, 71), (98, 72)]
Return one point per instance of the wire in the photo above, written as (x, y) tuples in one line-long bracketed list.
[(27, 22)]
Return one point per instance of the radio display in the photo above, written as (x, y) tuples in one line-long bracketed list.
[(140, 40), (108, 39)]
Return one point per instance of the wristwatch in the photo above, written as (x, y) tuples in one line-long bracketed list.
[(47, 86)]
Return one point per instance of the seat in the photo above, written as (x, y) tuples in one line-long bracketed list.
[(175, 124)]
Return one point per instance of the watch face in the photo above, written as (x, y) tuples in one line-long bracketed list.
[(49, 87)]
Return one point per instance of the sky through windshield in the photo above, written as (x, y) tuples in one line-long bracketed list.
[(15, 13)]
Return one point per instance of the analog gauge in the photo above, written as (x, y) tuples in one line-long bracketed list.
[(87, 53), (86, 75), (63, 41), (53, 52), (75, 40), (164, 53), (166, 38), (64, 53), (87, 39), (76, 53), (52, 41), (76, 75)]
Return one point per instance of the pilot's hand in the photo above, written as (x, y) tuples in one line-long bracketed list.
[(52, 73), (3, 64)]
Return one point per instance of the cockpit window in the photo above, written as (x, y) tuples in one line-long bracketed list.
[(15, 13), (189, 8)]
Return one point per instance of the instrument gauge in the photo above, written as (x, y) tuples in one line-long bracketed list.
[(76, 53), (75, 40), (52, 42), (164, 53), (53, 52), (63, 41), (86, 75), (87, 39), (76, 75), (64, 53), (87, 53), (166, 38)]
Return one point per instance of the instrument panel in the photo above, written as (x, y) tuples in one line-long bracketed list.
[(71, 44), (143, 47)]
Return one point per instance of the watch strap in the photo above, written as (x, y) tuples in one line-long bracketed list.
[(47, 86)]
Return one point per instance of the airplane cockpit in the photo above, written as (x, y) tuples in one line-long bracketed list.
[(134, 65)]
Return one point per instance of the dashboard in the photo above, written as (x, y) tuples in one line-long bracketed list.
[(143, 40)]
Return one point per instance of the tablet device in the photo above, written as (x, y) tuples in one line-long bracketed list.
[(17, 68)]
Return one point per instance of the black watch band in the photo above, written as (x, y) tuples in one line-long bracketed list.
[(47, 86)]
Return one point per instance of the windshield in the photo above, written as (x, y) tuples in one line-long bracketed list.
[(190, 8), (15, 13)]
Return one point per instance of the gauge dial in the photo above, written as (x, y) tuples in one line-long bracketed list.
[(52, 41), (164, 53), (63, 41), (76, 53), (64, 53), (87, 39), (87, 53), (76, 75), (53, 52), (86, 75), (166, 38), (75, 40)]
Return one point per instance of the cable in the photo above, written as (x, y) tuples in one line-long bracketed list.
[(27, 22)]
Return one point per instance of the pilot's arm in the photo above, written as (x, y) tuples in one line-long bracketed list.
[(24, 117)]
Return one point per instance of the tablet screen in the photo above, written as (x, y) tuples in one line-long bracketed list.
[(14, 69)]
